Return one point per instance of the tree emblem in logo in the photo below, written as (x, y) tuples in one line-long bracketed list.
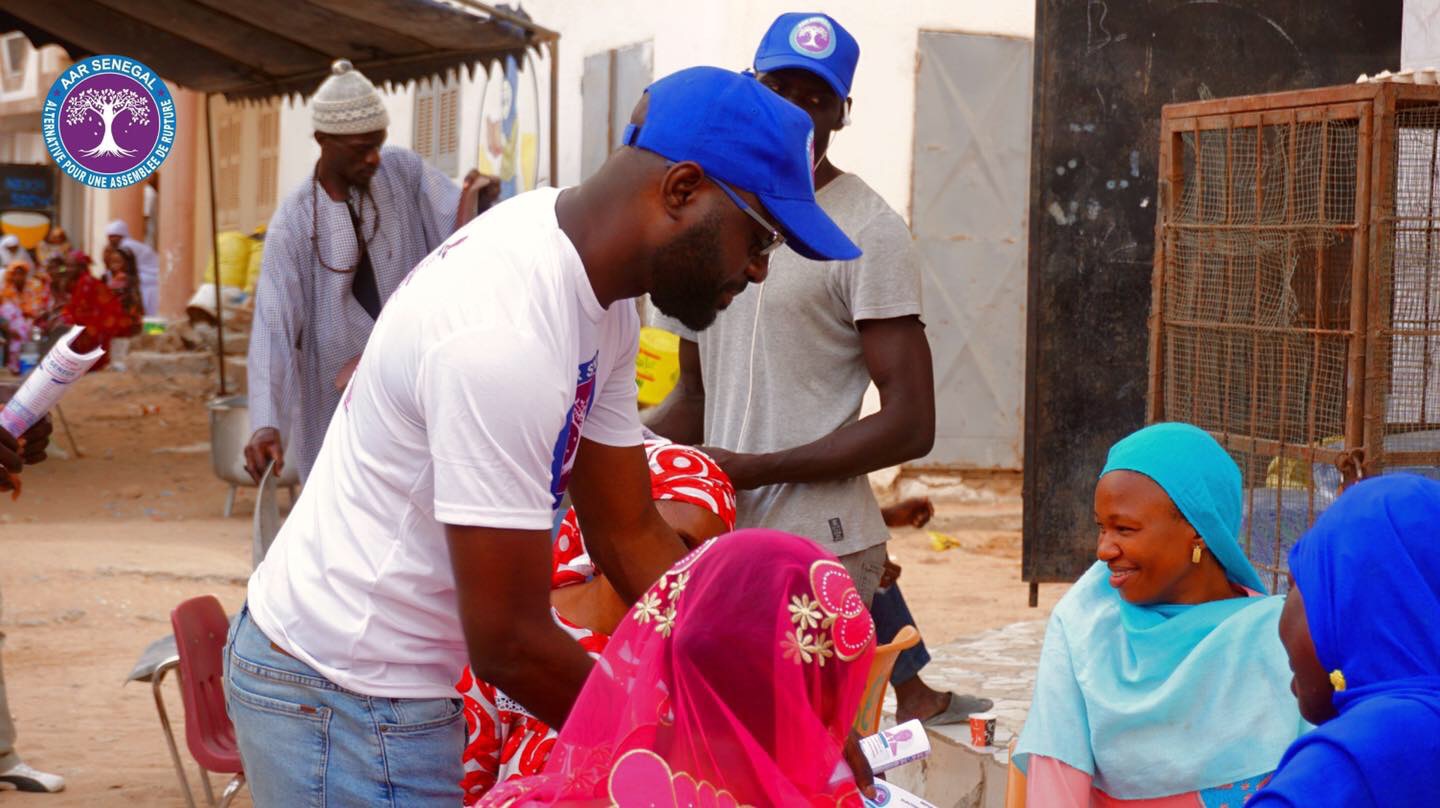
[(107, 104), (813, 37)]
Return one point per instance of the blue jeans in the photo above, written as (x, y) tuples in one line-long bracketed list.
[(306, 741), (890, 614)]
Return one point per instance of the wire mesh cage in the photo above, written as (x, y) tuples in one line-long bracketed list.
[(1296, 308)]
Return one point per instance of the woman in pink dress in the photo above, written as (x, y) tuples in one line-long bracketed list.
[(734, 681), (504, 741)]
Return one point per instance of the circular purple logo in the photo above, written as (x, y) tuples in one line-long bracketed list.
[(108, 121), (813, 37)]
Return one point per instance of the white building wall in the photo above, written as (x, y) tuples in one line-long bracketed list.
[(1419, 35), (877, 145)]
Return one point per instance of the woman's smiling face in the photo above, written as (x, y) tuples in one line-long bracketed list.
[(1145, 541)]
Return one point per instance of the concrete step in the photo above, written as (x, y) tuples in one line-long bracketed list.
[(987, 519), (155, 363)]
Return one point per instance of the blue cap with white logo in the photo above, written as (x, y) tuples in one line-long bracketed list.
[(743, 134), (813, 42)]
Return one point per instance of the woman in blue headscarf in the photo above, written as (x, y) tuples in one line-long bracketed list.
[(1161, 681), (1362, 628)]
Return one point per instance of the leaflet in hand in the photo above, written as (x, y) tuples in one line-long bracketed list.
[(60, 368), (896, 746)]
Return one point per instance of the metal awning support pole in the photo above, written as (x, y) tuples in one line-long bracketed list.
[(554, 112), (215, 245)]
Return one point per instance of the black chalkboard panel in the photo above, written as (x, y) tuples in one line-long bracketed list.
[(27, 187), (1102, 72)]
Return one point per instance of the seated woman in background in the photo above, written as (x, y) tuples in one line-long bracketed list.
[(105, 313), (15, 326), (1161, 680), (1362, 628), (59, 273), (35, 298), (504, 741), (734, 681), (56, 245), (123, 276)]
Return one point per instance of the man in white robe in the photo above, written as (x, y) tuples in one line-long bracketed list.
[(336, 248)]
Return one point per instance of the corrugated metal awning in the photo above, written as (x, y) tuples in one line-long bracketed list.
[(263, 48)]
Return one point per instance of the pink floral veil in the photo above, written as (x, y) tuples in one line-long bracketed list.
[(734, 681)]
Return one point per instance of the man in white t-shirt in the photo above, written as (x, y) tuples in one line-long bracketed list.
[(500, 373)]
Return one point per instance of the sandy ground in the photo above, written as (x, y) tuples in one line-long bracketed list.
[(99, 548)]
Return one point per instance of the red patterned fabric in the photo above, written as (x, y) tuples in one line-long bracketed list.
[(105, 313), (678, 473), (686, 474), (504, 741)]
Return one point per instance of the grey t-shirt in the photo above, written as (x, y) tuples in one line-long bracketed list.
[(808, 375)]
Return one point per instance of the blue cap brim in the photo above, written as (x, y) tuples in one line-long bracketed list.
[(785, 61), (809, 230)]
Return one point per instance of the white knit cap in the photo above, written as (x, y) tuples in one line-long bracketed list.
[(347, 103)]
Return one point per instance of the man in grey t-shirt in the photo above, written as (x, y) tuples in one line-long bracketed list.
[(774, 388), (776, 384)]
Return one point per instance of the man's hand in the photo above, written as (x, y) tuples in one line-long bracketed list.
[(913, 512), (859, 766), (477, 194), (27, 450), (264, 446), (744, 470), (890, 575)]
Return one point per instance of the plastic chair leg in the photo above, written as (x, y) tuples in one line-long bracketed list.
[(155, 680), (230, 502)]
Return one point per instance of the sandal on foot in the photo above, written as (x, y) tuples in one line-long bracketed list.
[(959, 709)]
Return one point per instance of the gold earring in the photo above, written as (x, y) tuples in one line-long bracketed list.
[(1195, 556)]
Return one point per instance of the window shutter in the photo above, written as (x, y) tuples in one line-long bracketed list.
[(425, 121), (447, 137)]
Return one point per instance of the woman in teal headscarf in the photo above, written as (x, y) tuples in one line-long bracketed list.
[(1162, 681)]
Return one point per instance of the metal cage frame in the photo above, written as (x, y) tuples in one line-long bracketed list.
[(1353, 304)]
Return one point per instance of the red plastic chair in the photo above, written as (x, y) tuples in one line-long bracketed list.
[(200, 628)]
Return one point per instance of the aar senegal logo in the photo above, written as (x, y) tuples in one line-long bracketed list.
[(108, 121), (813, 37)]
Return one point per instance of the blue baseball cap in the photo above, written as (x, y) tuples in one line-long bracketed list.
[(813, 42), (743, 134)]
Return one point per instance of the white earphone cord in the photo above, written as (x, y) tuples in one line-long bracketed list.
[(750, 385)]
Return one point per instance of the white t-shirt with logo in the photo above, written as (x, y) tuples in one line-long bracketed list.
[(485, 368)]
